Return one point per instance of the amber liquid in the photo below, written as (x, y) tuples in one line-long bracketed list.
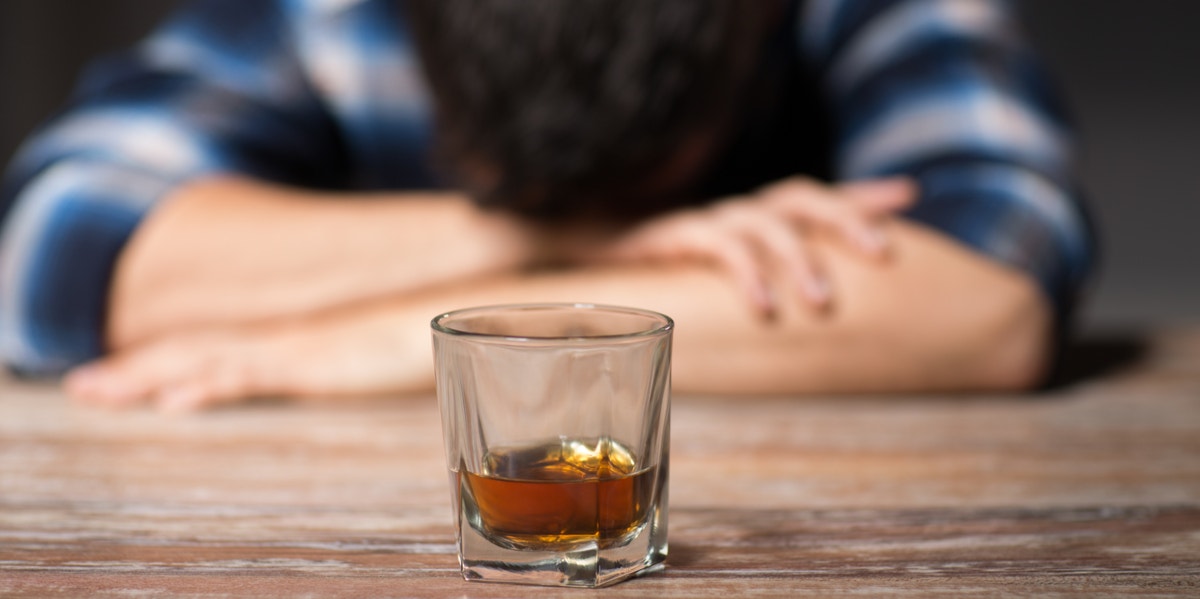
[(561, 494)]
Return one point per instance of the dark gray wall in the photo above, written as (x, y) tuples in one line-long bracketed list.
[(44, 44), (1131, 71)]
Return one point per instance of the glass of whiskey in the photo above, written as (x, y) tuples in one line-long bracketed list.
[(556, 420)]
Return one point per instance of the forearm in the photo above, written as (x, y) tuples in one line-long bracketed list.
[(229, 251), (934, 317)]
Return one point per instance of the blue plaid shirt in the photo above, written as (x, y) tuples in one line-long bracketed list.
[(329, 93)]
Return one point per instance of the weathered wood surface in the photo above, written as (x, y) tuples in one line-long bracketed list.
[(1090, 490)]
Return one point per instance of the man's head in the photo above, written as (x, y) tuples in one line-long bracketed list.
[(554, 106)]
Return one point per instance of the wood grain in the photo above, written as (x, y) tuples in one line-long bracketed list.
[(1092, 489)]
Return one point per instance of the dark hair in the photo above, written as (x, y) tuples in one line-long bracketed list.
[(542, 104)]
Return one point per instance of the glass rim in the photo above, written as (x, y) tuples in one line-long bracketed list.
[(663, 324)]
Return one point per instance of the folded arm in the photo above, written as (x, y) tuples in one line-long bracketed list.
[(934, 316), (230, 251)]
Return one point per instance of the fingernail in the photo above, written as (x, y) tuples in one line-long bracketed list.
[(765, 300), (817, 290)]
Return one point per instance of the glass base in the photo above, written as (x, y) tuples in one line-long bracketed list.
[(579, 564)]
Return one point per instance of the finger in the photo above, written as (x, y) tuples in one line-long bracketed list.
[(224, 380), (181, 398), (105, 383), (881, 196), (856, 214), (783, 245), (139, 374), (879, 200), (809, 204), (736, 256), (710, 238), (194, 396)]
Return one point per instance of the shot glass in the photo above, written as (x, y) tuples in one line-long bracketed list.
[(556, 420)]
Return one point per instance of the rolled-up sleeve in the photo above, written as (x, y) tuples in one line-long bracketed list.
[(948, 92), (215, 90)]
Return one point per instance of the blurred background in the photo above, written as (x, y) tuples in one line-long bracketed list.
[(1130, 71)]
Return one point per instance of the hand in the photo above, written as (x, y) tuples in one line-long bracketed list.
[(323, 357), (762, 233)]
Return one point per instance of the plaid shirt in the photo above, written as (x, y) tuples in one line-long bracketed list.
[(328, 93)]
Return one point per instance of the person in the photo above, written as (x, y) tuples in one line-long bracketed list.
[(273, 198)]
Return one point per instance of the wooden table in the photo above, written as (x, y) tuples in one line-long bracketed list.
[(1090, 490)]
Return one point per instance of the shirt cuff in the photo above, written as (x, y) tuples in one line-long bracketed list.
[(1015, 216), (60, 246)]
